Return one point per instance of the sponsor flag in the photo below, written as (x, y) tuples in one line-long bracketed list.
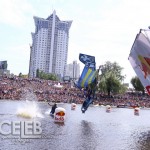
[(140, 59)]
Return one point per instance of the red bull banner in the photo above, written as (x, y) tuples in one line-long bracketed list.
[(140, 59)]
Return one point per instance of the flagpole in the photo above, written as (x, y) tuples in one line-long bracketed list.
[(134, 42), (147, 37)]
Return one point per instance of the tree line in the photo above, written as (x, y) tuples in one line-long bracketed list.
[(110, 79)]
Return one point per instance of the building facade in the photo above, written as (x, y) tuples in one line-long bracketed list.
[(3, 68), (49, 49), (73, 70)]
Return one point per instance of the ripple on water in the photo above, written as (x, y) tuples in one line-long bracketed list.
[(94, 130)]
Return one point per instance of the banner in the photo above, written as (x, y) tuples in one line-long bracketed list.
[(140, 59)]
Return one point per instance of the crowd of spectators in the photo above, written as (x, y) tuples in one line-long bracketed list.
[(45, 90), (15, 88)]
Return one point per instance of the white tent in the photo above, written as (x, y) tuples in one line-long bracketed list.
[(58, 85)]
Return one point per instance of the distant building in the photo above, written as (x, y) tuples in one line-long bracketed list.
[(4, 72), (49, 49), (73, 70), (3, 68), (3, 65)]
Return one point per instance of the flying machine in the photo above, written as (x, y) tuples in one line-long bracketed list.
[(88, 79)]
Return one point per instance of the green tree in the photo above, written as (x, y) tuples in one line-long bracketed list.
[(136, 83), (112, 68), (47, 76), (111, 78), (20, 74)]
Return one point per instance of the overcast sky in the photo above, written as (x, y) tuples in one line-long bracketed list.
[(105, 29)]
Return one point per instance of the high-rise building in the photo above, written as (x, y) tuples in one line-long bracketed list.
[(3, 68), (49, 49), (73, 70)]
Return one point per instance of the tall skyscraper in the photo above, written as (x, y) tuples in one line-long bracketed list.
[(73, 70), (49, 49)]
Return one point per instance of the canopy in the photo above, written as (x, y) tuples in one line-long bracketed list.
[(58, 85)]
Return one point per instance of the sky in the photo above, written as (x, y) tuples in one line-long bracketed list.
[(105, 29)]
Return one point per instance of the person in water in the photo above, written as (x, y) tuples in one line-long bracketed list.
[(53, 109)]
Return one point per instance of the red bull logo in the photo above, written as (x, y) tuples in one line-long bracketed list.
[(61, 113), (145, 65)]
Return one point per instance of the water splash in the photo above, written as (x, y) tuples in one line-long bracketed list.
[(30, 109), (47, 112)]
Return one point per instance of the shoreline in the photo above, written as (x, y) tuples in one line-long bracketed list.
[(61, 103)]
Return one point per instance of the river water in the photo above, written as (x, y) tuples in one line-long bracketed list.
[(95, 130)]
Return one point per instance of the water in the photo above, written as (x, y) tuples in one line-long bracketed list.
[(30, 109), (94, 130)]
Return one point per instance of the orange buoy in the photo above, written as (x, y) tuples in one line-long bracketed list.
[(136, 111), (73, 106), (60, 114), (108, 108)]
